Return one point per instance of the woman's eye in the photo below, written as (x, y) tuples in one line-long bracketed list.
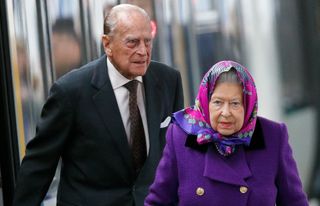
[(217, 102), (235, 104)]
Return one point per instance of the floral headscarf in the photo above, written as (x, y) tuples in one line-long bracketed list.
[(195, 120)]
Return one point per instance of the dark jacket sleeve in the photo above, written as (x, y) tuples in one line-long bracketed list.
[(164, 189), (44, 150), (179, 101)]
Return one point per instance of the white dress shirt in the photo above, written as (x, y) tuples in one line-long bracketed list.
[(122, 96)]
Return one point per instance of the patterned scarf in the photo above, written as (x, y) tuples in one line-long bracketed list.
[(195, 120)]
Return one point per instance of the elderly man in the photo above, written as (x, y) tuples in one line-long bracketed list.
[(106, 121)]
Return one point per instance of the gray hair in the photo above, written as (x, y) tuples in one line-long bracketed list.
[(230, 76), (117, 12)]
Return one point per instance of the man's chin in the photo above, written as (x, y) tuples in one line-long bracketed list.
[(140, 71)]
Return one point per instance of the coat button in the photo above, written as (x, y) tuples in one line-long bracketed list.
[(200, 191), (243, 189)]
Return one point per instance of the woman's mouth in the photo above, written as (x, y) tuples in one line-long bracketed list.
[(225, 125)]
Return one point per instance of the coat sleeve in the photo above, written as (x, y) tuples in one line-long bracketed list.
[(44, 150), (290, 191), (164, 189)]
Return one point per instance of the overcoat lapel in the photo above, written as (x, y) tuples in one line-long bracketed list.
[(153, 110), (108, 109), (231, 170)]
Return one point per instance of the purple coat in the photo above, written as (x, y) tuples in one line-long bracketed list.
[(263, 174)]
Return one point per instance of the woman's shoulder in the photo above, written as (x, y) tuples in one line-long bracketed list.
[(176, 134), (268, 123), (176, 131), (272, 130), (181, 138)]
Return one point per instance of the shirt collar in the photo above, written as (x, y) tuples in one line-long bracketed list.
[(116, 78)]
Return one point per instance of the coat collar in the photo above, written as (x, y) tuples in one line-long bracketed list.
[(153, 89), (153, 105), (257, 141), (106, 104), (233, 169)]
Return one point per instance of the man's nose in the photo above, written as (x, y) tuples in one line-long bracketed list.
[(142, 48)]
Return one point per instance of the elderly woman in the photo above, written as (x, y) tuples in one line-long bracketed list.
[(219, 152)]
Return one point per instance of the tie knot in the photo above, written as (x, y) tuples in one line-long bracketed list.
[(132, 86)]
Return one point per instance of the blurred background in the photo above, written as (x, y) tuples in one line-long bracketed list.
[(278, 40)]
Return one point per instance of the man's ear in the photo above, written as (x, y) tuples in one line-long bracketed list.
[(106, 44)]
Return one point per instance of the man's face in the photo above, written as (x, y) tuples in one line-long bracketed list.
[(129, 48)]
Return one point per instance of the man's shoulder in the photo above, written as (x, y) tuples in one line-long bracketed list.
[(161, 67), (82, 74), (163, 72)]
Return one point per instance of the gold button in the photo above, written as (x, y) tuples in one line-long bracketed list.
[(243, 189), (200, 191)]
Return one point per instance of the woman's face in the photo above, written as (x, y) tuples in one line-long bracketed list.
[(226, 108)]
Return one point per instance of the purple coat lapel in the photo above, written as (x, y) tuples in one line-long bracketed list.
[(231, 170)]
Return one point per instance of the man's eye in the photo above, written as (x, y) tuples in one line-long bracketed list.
[(148, 42), (132, 42)]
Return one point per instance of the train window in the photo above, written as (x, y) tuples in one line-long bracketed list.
[(65, 35), (205, 5), (218, 27), (95, 12), (26, 69)]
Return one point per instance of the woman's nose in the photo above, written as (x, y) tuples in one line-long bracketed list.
[(225, 110)]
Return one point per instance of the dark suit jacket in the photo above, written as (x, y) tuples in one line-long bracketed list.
[(81, 123)]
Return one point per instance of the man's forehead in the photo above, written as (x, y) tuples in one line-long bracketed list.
[(126, 31)]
